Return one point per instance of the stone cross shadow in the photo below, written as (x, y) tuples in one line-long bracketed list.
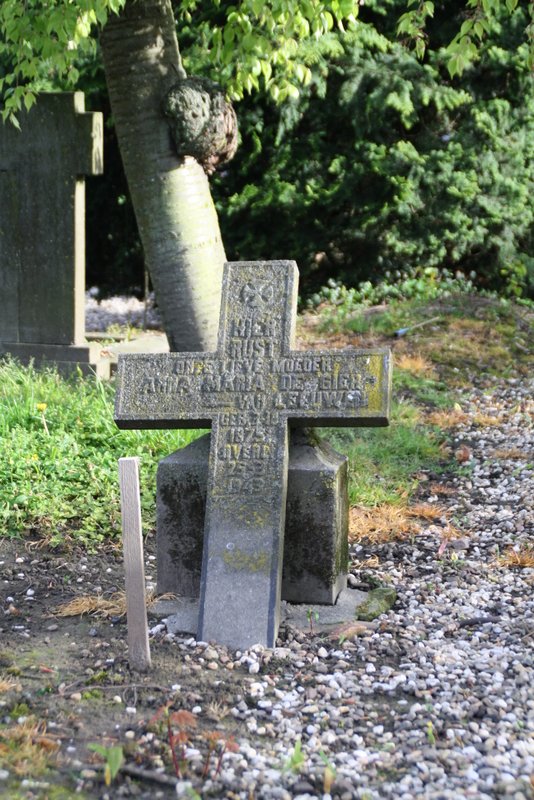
[(247, 392)]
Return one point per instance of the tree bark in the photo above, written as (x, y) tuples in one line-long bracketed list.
[(175, 214)]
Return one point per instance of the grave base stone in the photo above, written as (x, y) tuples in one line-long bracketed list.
[(315, 548), (316, 551), (67, 359)]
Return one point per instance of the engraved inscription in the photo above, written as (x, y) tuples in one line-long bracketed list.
[(262, 384)]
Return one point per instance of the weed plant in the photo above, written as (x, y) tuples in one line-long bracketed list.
[(404, 299), (59, 448), (341, 304)]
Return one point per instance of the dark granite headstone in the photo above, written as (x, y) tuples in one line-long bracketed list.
[(247, 391), (42, 231)]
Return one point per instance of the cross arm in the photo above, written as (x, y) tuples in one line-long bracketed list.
[(168, 390), (338, 388)]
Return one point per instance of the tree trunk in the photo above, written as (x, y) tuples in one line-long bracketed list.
[(175, 214)]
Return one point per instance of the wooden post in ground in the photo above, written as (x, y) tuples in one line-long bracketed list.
[(134, 569)]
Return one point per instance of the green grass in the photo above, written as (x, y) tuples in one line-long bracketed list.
[(468, 334), (383, 462), (58, 466), (428, 391), (407, 298)]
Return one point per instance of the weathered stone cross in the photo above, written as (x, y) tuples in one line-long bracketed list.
[(247, 391)]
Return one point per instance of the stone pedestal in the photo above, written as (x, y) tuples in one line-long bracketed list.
[(67, 359), (315, 547), (316, 542)]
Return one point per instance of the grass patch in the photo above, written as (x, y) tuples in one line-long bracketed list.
[(452, 330), (373, 562), (98, 606), (386, 523), (26, 749), (425, 390), (384, 461), (447, 418), (8, 685), (522, 557), (415, 364), (511, 453), (58, 460), (58, 476)]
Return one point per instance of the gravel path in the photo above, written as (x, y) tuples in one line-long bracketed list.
[(118, 310)]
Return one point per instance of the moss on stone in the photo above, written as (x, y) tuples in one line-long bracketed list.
[(378, 602)]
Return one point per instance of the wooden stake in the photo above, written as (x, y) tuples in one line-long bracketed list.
[(134, 569)]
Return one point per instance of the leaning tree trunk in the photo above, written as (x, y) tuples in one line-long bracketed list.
[(175, 214)]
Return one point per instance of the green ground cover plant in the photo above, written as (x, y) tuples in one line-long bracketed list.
[(384, 461), (59, 453), (455, 327), (58, 470)]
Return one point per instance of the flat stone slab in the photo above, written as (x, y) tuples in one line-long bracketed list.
[(324, 617), (181, 615), (67, 359), (149, 342)]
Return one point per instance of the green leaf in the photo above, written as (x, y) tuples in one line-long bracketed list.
[(115, 759), (266, 69), (29, 100), (452, 66), (466, 27), (98, 748), (420, 47), (292, 91), (347, 8)]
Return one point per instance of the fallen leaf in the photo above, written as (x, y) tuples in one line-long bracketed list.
[(349, 630)]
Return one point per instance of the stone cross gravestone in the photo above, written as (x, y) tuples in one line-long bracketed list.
[(247, 391), (42, 231)]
